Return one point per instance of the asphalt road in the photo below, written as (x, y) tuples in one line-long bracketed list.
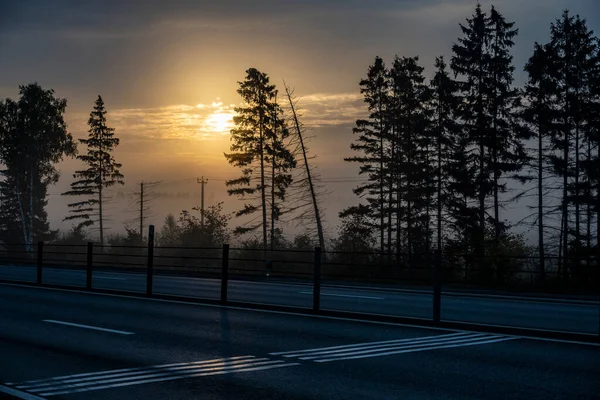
[(67, 345), (562, 315)]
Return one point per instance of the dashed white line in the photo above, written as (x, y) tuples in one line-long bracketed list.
[(347, 295), (97, 328)]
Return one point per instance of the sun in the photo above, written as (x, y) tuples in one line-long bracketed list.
[(220, 122)]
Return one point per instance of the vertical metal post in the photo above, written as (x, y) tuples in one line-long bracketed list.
[(224, 273), (317, 280), (88, 276), (437, 287), (40, 262), (150, 272)]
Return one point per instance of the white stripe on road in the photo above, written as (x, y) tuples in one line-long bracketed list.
[(500, 339), (17, 394), (346, 295), (166, 373), (406, 346), (170, 378), (159, 373), (123, 372), (109, 376), (379, 347), (298, 352), (97, 328), (384, 348)]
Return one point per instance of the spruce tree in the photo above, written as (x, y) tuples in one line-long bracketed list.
[(573, 52), (410, 121), (371, 145), (444, 103), (488, 112), (470, 62), (259, 148), (102, 172), (539, 94)]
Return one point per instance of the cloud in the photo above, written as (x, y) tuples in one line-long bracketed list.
[(202, 122)]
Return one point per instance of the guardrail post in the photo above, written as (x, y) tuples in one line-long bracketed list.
[(224, 273), (317, 280), (437, 287), (88, 273), (150, 272), (40, 262)]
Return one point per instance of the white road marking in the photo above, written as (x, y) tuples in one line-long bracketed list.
[(384, 348), (346, 295), (158, 373), (18, 394), (417, 339), (102, 374), (97, 328), (301, 314), (379, 348), (500, 339)]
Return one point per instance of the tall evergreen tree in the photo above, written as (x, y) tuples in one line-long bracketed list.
[(33, 138), (507, 148), (444, 102), (410, 118), (471, 62), (259, 147), (371, 144), (102, 171), (538, 114), (573, 53), (488, 111)]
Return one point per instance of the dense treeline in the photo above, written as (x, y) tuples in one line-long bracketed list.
[(439, 158)]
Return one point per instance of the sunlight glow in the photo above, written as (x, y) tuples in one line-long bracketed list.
[(220, 122)]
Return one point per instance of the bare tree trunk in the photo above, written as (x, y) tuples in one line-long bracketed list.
[(22, 213), (541, 206), (439, 185), (390, 203), (313, 194), (576, 196), (273, 179), (588, 194), (565, 205), (262, 182), (30, 238)]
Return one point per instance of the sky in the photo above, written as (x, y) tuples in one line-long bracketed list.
[(168, 73)]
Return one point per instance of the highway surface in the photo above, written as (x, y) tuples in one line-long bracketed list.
[(549, 314), (68, 345)]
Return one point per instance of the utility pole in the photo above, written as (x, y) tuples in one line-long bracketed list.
[(202, 182), (142, 204)]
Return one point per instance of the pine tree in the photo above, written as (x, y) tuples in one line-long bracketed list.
[(410, 118), (102, 171), (471, 62), (539, 94), (507, 149), (573, 54), (488, 112), (444, 102), (259, 148), (371, 145)]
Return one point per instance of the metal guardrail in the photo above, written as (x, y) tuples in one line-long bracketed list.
[(314, 266)]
